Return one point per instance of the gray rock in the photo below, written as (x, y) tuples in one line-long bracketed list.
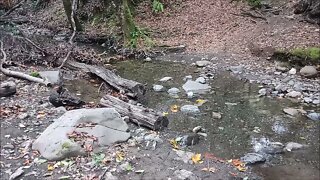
[(216, 115), (298, 87), (314, 116), (23, 116), (184, 175), (53, 77), (189, 77), (262, 92), (290, 146), (236, 69), (158, 88), (190, 95), (148, 59), (202, 63), (184, 156), (201, 80), (252, 158), (173, 91), (294, 94), (60, 109), (307, 100), (195, 87), (190, 109), (291, 111), (109, 176), (105, 124), (309, 71), (17, 173), (316, 101), (190, 139), (165, 79), (8, 146), (7, 88), (293, 71), (281, 66), (281, 88)]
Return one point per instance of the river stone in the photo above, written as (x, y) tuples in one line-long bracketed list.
[(165, 79), (236, 69), (294, 94), (216, 115), (314, 116), (291, 111), (53, 77), (184, 156), (309, 71), (184, 175), (201, 80), (252, 158), (293, 71), (195, 87), (173, 91), (202, 63), (7, 88), (307, 100), (158, 88), (190, 109), (293, 146), (281, 66), (106, 125), (262, 92), (316, 101)]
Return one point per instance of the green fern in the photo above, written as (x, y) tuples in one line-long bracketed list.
[(157, 6)]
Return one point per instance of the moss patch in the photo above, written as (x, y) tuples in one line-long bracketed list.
[(299, 56), (312, 53)]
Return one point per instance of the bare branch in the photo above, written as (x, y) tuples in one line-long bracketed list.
[(15, 73), (74, 7), (65, 59)]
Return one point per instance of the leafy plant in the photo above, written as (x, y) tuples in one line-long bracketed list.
[(34, 74), (254, 3), (157, 6), (138, 34), (98, 158)]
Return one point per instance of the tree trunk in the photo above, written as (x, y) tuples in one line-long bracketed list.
[(67, 4), (137, 114)]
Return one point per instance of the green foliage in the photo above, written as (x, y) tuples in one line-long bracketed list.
[(157, 6), (98, 158), (139, 34), (35, 74), (312, 53), (254, 3)]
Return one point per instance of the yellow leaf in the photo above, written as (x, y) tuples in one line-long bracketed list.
[(165, 113), (174, 108), (119, 156), (199, 102), (174, 144), (196, 158), (241, 168), (50, 167)]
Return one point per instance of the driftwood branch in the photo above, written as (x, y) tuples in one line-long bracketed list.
[(13, 8), (15, 73), (137, 114), (65, 60)]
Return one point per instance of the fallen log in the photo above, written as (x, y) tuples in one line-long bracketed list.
[(131, 88), (137, 114)]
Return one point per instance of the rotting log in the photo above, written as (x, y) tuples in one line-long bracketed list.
[(137, 114), (131, 88)]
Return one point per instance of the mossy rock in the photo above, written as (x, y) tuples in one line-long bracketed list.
[(299, 56)]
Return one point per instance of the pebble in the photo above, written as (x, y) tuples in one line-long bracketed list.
[(158, 88), (201, 80), (8, 146), (314, 116), (148, 59), (16, 174), (293, 146), (165, 79), (184, 175), (291, 111), (192, 109), (307, 100), (293, 71), (316, 101), (294, 94), (190, 94), (23, 116), (189, 77), (173, 91), (262, 92), (216, 115), (109, 176), (202, 63)]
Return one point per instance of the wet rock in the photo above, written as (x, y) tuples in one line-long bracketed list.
[(195, 87), (190, 139), (7, 88), (190, 109), (104, 124), (216, 115), (292, 71), (165, 79), (290, 146), (202, 63), (291, 111), (17, 173), (307, 100), (158, 88), (53, 77), (236, 69), (294, 94), (23, 116), (314, 116), (109, 176), (201, 80), (309, 71), (262, 92), (184, 175), (264, 146), (252, 158), (62, 97), (184, 156), (8, 146), (173, 91), (189, 77)]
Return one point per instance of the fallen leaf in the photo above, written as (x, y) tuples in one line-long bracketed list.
[(174, 144), (211, 169), (165, 113), (50, 167), (129, 167), (233, 174), (241, 166), (119, 156), (200, 102), (174, 108), (196, 159)]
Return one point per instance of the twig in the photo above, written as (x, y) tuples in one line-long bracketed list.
[(13, 8), (18, 74), (104, 173), (100, 87), (65, 60), (74, 7), (36, 46)]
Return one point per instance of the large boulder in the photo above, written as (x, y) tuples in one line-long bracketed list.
[(81, 130)]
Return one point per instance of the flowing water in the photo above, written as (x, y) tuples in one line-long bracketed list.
[(245, 117)]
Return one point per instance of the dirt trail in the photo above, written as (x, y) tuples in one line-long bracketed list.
[(217, 26)]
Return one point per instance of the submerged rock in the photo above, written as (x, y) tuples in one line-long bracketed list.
[(195, 87), (293, 71), (314, 116), (216, 115), (184, 156), (190, 109), (264, 146), (94, 127), (252, 158), (262, 92)]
